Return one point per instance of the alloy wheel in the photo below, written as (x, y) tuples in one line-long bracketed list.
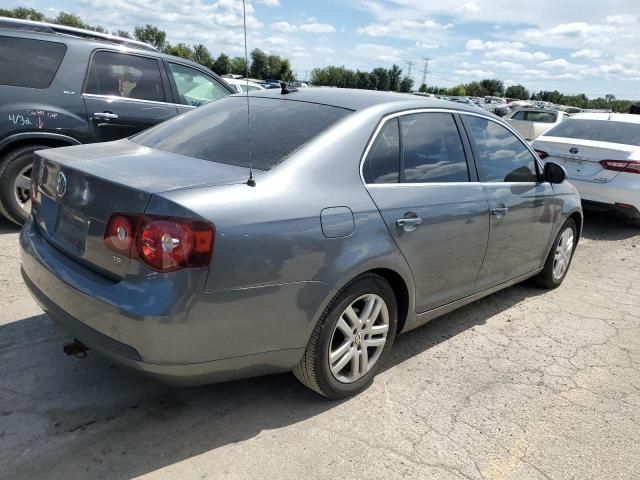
[(562, 257), (22, 189), (358, 338)]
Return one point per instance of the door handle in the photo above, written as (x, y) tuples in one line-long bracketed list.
[(409, 224), (500, 212), (105, 115)]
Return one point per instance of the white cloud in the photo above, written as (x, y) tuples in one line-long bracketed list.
[(587, 53), (476, 44), (515, 54), (269, 3), (426, 31), (377, 52), (477, 73), (312, 27)]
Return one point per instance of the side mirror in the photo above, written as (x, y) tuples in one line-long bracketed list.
[(554, 173)]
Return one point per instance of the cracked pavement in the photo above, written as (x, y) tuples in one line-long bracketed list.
[(524, 384)]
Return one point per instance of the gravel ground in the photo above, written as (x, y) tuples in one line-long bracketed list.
[(525, 384)]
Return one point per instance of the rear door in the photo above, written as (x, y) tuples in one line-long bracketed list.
[(417, 172), (522, 205), (125, 94), (192, 87)]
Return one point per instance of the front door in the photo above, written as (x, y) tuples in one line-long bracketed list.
[(522, 206), (436, 214), (124, 95)]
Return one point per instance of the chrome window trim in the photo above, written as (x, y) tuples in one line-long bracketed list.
[(136, 100), (391, 116)]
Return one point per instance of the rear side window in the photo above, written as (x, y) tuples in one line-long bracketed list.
[(29, 63), (122, 75), (542, 117), (383, 162), (598, 130), (218, 131), (519, 116), (432, 149), (195, 88), (501, 156)]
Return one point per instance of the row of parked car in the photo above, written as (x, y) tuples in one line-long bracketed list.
[(63, 86)]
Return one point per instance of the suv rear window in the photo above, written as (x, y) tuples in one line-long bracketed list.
[(29, 63), (598, 130), (218, 131)]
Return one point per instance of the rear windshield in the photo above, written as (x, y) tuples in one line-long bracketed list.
[(218, 132), (598, 130), (29, 63)]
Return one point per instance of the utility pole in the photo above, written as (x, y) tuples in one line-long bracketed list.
[(409, 64), (426, 69)]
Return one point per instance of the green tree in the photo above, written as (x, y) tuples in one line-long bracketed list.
[(423, 88), (70, 20), (202, 55), (517, 91), (122, 33), (181, 50), (492, 87), (151, 35), (23, 13), (381, 76), (458, 91), (259, 64), (406, 85), (395, 72), (222, 65), (238, 66)]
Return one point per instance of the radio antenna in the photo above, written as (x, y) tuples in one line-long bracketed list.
[(251, 182)]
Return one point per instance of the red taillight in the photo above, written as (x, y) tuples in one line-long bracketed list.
[(628, 166), (165, 244), (542, 154)]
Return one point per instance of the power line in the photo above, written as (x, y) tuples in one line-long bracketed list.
[(409, 64), (426, 69)]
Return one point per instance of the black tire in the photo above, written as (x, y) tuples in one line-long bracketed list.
[(313, 370), (546, 278), (10, 167)]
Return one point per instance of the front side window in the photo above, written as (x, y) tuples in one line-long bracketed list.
[(195, 88), (501, 156), (383, 162), (122, 75), (432, 149), (29, 63)]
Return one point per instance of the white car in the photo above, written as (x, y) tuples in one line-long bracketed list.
[(601, 153), (241, 85), (531, 123)]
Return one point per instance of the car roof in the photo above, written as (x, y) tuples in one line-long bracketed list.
[(354, 99), (61, 33), (614, 117)]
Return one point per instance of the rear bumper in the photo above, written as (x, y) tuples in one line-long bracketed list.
[(173, 331), (613, 195)]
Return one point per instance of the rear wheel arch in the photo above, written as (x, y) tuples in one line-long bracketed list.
[(27, 139)]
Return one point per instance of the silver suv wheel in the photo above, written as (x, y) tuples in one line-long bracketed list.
[(22, 189)]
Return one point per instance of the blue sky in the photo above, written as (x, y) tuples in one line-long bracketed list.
[(584, 46)]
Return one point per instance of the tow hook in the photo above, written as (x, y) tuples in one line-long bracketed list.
[(75, 348)]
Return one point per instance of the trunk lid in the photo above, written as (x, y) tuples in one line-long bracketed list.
[(581, 158), (81, 187)]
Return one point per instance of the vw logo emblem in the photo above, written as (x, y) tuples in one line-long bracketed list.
[(61, 186), (574, 151)]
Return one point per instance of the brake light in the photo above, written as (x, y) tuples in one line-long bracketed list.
[(542, 154), (628, 166), (163, 243)]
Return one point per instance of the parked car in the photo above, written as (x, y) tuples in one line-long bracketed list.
[(212, 267), (241, 85), (65, 86), (531, 123), (601, 153)]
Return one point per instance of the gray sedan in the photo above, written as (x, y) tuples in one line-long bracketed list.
[(195, 255)]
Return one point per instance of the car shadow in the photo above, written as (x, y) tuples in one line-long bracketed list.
[(89, 416), (607, 227), (8, 227)]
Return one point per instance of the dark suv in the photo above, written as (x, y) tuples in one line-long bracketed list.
[(64, 86)]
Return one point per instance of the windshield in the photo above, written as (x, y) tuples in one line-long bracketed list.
[(218, 132), (598, 130)]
